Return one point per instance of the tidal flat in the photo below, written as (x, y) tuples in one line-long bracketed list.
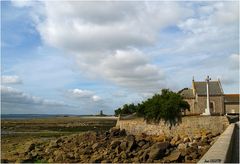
[(15, 133)]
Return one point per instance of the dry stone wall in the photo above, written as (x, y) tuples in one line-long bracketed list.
[(190, 126)]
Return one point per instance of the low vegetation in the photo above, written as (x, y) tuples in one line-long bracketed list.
[(167, 106)]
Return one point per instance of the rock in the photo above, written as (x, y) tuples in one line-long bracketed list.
[(136, 160), (159, 138), (167, 152), (96, 158), (76, 156), (105, 161), (117, 150), (192, 144), (29, 147), (182, 146), (149, 160), (203, 142), (203, 150), (107, 134), (174, 156), (131, 145), (123, 155), (188, 159), (53, 144), (59, 140), (210, 136), (51, 160), (84, 158), (122, 132), (216, 134), (174, 140), (144, 157), (114, 144), (147, 145), (48, 150), (194, 155), (186, 139), (208, 133), (141, 143), (70, 155), (123, 145), (130, 138), (116, 159), (157, 150), (59, 156), (114, 131), (189, 150), (197, 137), (87, 150), (95, 146)]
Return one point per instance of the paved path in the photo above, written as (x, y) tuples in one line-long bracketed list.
[(235, 152)]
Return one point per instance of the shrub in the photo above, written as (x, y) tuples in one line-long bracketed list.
[(166, 106)]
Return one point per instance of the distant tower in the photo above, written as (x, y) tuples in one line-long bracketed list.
[(101, 113), (207, 110)]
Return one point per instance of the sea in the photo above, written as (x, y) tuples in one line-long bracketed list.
[(32, 116), (29, 116)]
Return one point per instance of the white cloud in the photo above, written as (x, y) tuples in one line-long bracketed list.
[(86, 94), (81, 93), (96, 98), (14, 96), (234, 61), (22, 3), (11, 80), (111, 40), (105, 35), (106, 25), (213, 33), (132, 69)]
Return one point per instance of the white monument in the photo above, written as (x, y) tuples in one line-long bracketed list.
[(207, 110)]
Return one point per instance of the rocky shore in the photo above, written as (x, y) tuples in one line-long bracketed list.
[(115, 146)]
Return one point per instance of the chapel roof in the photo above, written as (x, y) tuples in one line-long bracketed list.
[(214, 88), (187, 93)]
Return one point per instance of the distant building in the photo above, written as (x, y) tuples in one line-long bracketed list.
[(219, 103), (231, 103)]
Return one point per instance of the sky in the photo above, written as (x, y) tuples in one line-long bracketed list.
[(81, 57)]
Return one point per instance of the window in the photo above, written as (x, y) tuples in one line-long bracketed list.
[(212, 106)]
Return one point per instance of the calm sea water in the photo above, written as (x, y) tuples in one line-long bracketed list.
[(27, 116), (32, 116)]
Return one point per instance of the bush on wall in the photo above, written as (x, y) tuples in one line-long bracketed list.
[(167, 106)]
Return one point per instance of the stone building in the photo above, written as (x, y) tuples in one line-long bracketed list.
[(231, 103), (219, 102)]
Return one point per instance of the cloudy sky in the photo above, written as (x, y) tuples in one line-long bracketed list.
[(82, 57)]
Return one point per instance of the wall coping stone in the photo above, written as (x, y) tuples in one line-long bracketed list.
[(221, 150)]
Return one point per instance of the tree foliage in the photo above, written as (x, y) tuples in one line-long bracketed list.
[(167, 106), (126, 109)]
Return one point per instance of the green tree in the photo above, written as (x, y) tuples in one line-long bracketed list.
[(167, 106), (126, 109)]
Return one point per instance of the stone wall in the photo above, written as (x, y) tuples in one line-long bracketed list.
[(191, 102), (218, 104), (191, 126)]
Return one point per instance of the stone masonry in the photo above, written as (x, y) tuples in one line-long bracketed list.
[(190, 125)]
